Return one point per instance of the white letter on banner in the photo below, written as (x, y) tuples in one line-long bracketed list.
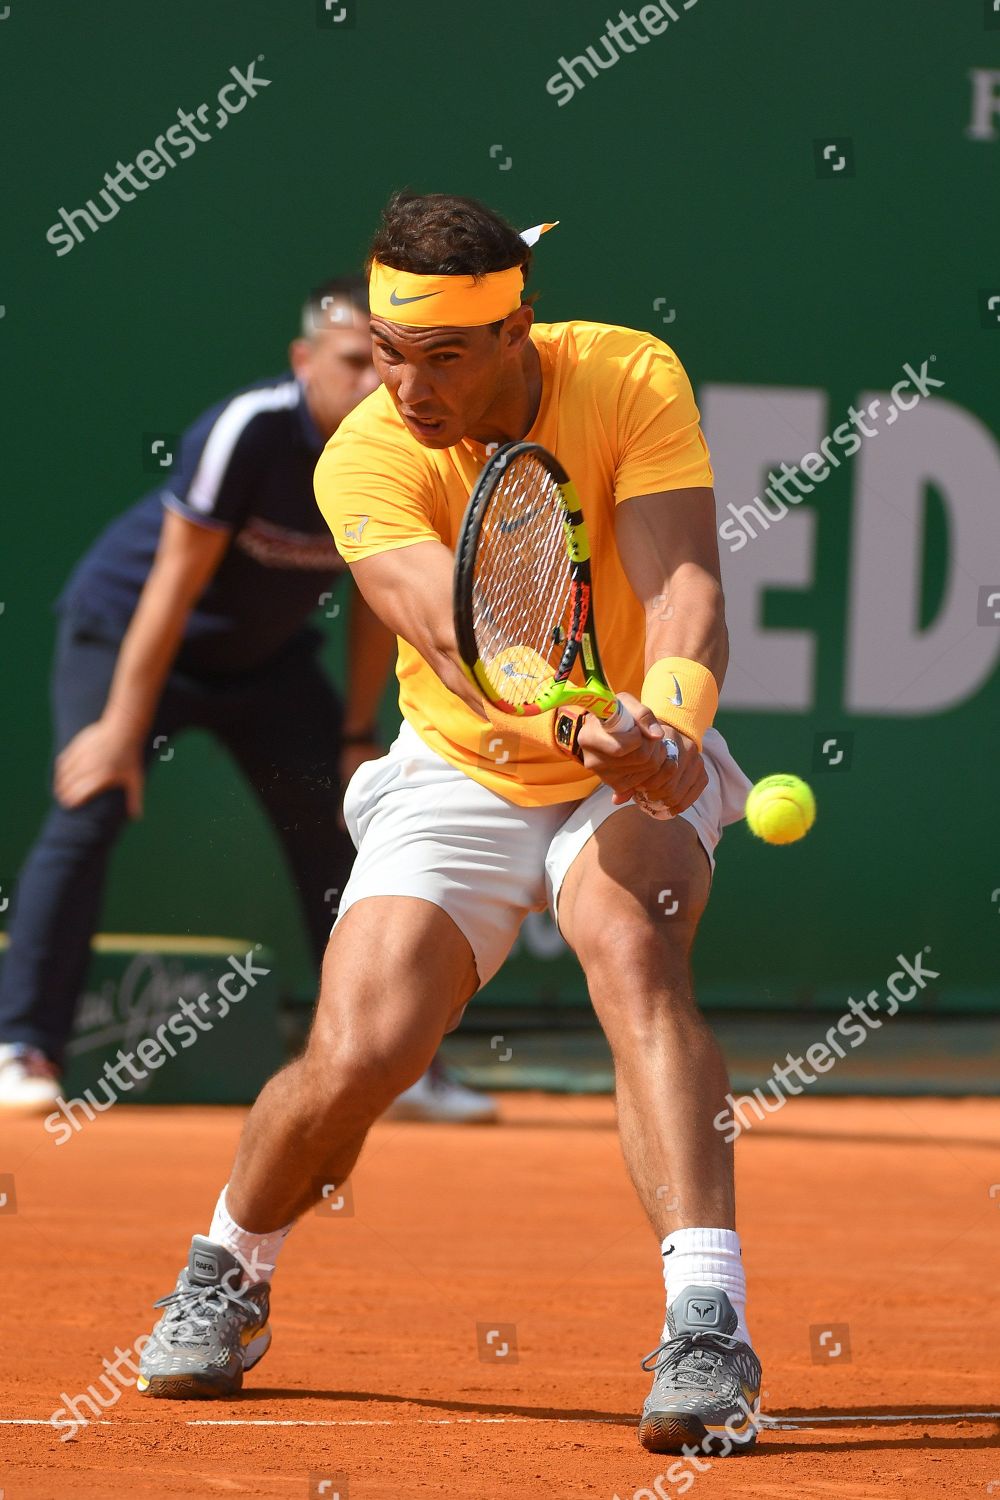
[(893, 666), (751, 429)]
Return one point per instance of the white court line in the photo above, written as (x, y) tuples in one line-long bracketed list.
[(778, 1424), (792, 1424), (419, 1421), (303, 1422)]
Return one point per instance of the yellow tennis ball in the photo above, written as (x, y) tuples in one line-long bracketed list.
[(781, 809)]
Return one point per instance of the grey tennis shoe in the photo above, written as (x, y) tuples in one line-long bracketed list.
[(706, 1383), (214, 1327)]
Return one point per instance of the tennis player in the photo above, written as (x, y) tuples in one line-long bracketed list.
[(465, 826)]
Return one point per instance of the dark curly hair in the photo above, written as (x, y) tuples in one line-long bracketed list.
[(439, 234)]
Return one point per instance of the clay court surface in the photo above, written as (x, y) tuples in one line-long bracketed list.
[(877, 1215)]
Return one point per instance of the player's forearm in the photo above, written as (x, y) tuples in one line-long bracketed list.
[(371, 652), (689, 621), (410, 591), (434, 637), (441, 654)]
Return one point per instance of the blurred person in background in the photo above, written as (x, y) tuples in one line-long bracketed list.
[(191, 611)]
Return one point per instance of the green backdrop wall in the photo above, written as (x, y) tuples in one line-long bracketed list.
[(800, 197)]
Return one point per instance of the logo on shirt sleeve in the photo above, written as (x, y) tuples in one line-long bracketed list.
[(354, 533)]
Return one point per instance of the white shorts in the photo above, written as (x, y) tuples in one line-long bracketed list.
[(423, 828)]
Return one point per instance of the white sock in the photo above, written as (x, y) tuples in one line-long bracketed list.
[(706, 1257), (256, 1253)]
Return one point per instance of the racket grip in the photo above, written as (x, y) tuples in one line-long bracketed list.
[(619, 725)]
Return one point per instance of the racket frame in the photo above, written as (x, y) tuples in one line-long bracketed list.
[(581, 640)]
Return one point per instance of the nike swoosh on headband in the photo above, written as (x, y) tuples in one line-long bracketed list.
[(401, 301)]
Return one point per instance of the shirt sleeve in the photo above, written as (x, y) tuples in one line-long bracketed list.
[(660, 442), (374, 495), (215, 478)]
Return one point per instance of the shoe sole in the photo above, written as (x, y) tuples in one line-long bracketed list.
[(190, 1387), (675, 1432), (199, 1386)]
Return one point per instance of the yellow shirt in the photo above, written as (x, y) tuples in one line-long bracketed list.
[(617, 410)]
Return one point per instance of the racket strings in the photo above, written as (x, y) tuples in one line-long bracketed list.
[(521, 585)]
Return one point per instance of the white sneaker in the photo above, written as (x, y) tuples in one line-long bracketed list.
[(437, 1098), (29, 1082)]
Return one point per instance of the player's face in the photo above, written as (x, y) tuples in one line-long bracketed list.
[(335, 367), (448, 382)]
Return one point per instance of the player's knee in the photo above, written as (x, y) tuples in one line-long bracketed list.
[(637, 940), (364, 1073), (636, 965)]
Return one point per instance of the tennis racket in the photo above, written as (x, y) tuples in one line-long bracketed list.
[(524, 601)]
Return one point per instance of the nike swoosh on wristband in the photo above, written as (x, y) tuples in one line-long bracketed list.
[(401, 301), (678, 699)]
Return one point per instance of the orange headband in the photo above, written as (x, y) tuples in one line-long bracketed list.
[(418, 301)]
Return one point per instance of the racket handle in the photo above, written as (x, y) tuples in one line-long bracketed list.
[(619, 725)]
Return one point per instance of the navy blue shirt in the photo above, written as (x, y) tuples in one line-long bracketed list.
[(245, 467)]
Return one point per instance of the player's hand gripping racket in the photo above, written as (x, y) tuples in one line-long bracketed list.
[(524, 615)]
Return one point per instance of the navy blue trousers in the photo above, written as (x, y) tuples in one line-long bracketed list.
[(280, 723)]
